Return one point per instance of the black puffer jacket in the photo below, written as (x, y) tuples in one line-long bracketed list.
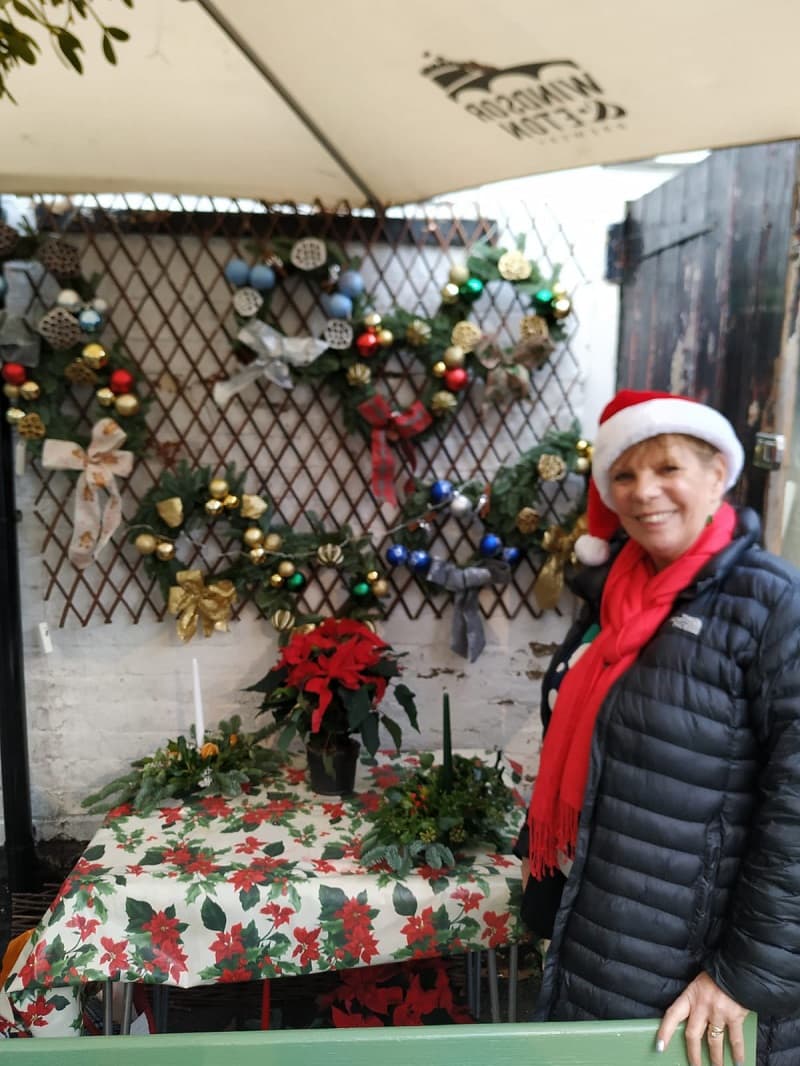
[(688, 855)]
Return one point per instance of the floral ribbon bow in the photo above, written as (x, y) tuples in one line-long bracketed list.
[(192, 601), (467, 637), (275, 354), (559, 545), (100, 464), (391, 426)]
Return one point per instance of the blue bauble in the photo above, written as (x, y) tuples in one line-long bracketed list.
[(397, 554), (419, 561), (90, 320), (512, 555), (441, 491), (261, 277), (237, 272), (337, 305), (350, 283), (490, 545)]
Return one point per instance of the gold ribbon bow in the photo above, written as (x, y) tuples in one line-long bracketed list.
[(559, 545), (100, 464), (193, 601)]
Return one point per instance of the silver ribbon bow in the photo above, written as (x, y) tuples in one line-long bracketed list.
[(275, 354), (31, 290), (467, 637)]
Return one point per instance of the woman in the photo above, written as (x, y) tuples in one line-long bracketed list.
[(667, 804)]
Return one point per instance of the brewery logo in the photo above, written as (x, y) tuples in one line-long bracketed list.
[(553, 99)]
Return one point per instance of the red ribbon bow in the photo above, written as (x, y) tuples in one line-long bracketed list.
[(391, 426)]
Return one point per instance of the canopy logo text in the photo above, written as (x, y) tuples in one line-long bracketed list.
[(553, 99)]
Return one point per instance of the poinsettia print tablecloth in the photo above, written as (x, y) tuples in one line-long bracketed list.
[(265, 885)]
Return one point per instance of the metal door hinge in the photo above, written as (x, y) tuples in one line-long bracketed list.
[(768, 451)]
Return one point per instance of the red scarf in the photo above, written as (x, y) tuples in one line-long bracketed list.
[(635, 603)]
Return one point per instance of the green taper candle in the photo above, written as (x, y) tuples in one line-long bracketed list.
[(447, 744)]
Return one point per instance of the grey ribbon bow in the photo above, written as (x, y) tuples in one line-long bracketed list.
[(467, 637), (30, 291), (274, 355)]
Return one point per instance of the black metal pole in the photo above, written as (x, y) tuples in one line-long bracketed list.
[(23, 867)]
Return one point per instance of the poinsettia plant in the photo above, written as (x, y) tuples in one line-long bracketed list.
[(329, 684)]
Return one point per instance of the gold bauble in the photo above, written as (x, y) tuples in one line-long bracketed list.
[(253, 506), (439, 369), (95, 356), (372, 320), (358, 374), (589, 452), (466, 335), (514, 266), (29, 390), (558, 289), (581, 446), (418, 332), (286, 568), (450, 293), (273, 542), (275, 580), (145, 543), (582, 464), (11, 391), (230, 502), (380, 587), (459, 273), (253, 536), (214, 508), (385, 338), (527, 520), (31, 427), (561, 307), (551, 467), (372, 576), (282, 620), (257, 555), (165, 550), (453, 356), (126, 405), (171, 511), (218, 488), (442, 403), (330, 554), (305, 629), (105, 397)]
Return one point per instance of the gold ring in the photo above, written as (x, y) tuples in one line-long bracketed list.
[(716, 1031)]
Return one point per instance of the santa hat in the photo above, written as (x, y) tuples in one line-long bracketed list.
[(630, 418)]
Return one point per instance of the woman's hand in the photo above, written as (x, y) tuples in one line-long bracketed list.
[(709, 1013)]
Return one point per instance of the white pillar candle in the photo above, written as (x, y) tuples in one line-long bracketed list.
[(199, 724)]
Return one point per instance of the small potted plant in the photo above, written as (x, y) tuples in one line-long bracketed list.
[(326, 689)]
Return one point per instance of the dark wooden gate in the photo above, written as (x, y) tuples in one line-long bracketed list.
[(703, 291)]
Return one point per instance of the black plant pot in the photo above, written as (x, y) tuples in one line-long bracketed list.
[(332, 770)]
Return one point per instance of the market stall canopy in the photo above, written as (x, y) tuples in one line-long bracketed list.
[(365, 101)]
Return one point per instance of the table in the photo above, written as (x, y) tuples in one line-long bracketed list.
[(264, 885)]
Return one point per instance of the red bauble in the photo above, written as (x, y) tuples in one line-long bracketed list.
[(456, 379), (367, 343), (14, 374), (120, 382)]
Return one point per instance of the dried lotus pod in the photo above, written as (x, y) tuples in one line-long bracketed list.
[(8, 238), (60, 258), (31, 427), (60, 329)]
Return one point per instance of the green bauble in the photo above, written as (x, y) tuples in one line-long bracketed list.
[(360, 590), (543, 299), (296, 581), (471, 289)]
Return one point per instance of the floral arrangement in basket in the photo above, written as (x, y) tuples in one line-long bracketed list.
[(228, 761), (328, 685), (437, 810)]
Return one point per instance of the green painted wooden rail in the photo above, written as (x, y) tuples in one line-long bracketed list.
[(576, 1044)]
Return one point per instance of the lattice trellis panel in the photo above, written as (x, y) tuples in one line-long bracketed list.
[(162, 275)]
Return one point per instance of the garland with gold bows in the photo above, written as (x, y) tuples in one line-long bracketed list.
[(450, 349), (51, 321), (260, 558)]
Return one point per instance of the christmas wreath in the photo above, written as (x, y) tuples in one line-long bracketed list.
[(449, 348), (263, 559), (61, 382)]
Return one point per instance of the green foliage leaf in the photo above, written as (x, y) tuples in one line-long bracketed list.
[(212, 915), (138, 911), (403, 900)]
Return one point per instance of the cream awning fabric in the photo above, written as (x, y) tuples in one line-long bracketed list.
[(398, 101)]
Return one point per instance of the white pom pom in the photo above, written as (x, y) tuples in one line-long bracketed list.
[(592, 551)]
